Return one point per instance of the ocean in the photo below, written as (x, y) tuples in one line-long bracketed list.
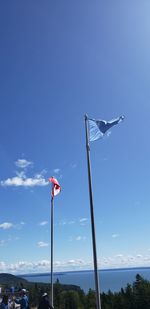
[(111, 279)]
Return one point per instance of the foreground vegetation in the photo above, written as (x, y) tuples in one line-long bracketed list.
[(135, 296)]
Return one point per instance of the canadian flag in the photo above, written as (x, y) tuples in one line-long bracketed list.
[(55, 186)]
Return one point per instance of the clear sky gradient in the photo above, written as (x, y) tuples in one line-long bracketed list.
[(58, 61)]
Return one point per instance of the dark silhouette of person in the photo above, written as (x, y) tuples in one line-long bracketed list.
[(44, 303)]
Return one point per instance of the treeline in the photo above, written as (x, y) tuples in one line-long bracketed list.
[(135, 296)]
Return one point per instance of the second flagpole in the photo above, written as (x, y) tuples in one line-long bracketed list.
[(52, 237), (98, 302), (55, 190)]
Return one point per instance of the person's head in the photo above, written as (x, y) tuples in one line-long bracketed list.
[(44, 296), (5, 299), (23, 292)]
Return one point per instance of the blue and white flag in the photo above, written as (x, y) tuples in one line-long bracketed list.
[(98, 128)]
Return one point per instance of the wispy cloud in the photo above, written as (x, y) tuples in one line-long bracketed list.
[(2, 242), (80, 238), (83, 221), (21, 174), (62, 223), (6, 225), (71, 222), (43, 223), (22, 223), (42, 244), (105, 159), (74, 165), (23, 163), (139, 256), (77, 238), (56, 170), (19, 226), (115, 235)]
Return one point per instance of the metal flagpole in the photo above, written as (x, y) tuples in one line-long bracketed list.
[(98, 302), (52, 233)]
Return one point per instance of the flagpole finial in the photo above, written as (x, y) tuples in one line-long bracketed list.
[(122, 117), (86, 116)]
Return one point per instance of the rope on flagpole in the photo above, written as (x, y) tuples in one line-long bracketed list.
[(98, 302)]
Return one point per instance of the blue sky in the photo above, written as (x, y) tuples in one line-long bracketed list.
[(58, 61)]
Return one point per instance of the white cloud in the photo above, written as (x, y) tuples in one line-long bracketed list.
[(43, 263), (21, 174), (3, 266), (74, 165), (77, 238), (71, 222), (119, 261), (18, 181), (83, 220), (42, 244), (56, 170), (139, 256), (20, 225), (21, 180), (22, 163), (62, 223), (80, 238), (65, 223), (2, 242), (6, 225), (115, 235), (43, 172), (43, 223), (105, 159)]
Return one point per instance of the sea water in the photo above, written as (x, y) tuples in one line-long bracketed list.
[(112, 280)]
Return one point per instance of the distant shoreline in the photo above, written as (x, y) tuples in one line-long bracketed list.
[(82, 271)]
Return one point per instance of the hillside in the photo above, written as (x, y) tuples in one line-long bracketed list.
[(8, 279)]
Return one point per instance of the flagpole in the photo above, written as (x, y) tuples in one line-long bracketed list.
[(52, 237), (97, 287)]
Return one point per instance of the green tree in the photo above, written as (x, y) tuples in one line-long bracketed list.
[(141, 290), (90, 302), (70, 300), (57, 293)]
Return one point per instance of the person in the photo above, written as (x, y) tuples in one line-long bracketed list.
[(44, 303), (23, 300), (4, 303)]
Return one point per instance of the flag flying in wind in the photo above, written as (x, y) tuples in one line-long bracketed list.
[(98, 128), (55, 186)]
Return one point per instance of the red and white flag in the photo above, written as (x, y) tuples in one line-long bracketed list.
[(55, 186)]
